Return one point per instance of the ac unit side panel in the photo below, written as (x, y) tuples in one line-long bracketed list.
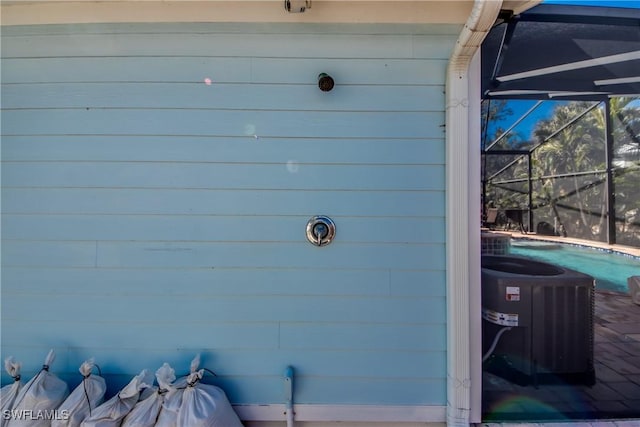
[(562, 329)]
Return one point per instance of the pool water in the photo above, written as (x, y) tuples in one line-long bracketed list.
[(609, 269)]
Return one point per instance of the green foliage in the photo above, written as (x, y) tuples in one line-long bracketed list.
[(568, 162)]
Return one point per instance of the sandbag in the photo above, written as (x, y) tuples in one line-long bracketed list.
[(205, 405), (168, 416), (112, 412), (9, 392), (84, 399), (39, 398), (200, 405), (147, 411)]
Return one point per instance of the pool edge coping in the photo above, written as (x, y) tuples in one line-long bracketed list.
[(629, 251)]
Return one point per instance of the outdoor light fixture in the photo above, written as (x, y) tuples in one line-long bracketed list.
[(325, 82), (297, 6)]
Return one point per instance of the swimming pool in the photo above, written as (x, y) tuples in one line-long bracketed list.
[(610, 269)]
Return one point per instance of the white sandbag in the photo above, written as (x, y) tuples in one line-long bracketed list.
[(205, 405), (147, 411), (168, 416), (112, 412), (38, 400), (84, 399), (9, 392)]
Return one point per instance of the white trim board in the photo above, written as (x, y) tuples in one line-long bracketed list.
[(344, 413)]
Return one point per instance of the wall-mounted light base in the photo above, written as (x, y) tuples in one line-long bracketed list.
[(325, 82)]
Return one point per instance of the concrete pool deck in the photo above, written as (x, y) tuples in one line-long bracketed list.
[(616, 393), (629, 250)]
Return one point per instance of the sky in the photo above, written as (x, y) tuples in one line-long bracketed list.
[(526, 126)]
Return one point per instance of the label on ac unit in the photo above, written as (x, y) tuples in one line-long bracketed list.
[(513, 293), (502, 319)]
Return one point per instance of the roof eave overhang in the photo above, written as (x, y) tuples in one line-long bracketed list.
[(234, 11)]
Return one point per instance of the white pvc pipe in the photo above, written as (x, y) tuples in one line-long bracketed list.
[(288, 391)]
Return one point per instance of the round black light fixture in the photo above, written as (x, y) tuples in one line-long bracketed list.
[(325, 82)]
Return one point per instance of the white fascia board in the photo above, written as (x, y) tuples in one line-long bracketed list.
[(344, 413)]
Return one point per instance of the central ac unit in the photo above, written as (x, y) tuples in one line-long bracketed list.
[(549, 311)]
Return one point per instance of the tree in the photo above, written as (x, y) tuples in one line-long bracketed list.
[(627, 169), (569, 167), (572, 163)]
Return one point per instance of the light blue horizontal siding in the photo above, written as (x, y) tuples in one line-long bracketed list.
[(93, 281), (215, 228), (301, 45), (284, 151), (222, 96), (232, 363), (222, 175), (335, 336), (277, 255), (178, 254), (392, 392), (48, 254), (248, 123), (149, 216), (126, 334), (215, 309), (184, 201), (226, 70)]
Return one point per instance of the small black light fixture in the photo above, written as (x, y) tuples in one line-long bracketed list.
[(325, 82)]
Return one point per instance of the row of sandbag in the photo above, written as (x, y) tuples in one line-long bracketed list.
[(45, 400)]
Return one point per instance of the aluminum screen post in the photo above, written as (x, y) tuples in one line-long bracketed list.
[(610, 185)]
